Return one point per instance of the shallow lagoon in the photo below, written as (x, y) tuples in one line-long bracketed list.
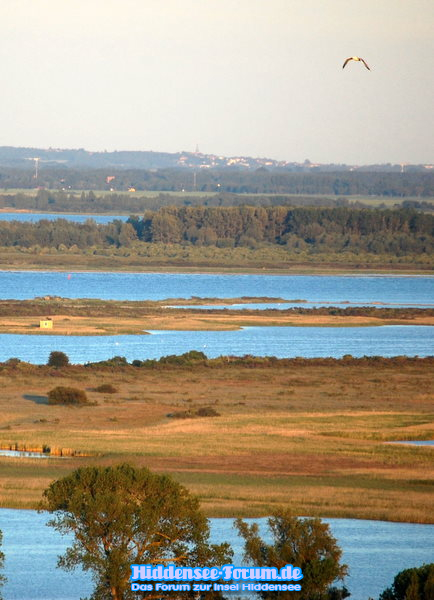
[(32, 217), (399, 290), (282, 342)]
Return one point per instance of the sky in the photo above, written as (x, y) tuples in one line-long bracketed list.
[(258, 78)]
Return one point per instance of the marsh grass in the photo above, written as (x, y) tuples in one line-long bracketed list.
[(323, 453)]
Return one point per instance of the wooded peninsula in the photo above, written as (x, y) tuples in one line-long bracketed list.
[(276, 238)]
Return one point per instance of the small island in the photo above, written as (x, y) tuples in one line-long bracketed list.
[(112, 317)]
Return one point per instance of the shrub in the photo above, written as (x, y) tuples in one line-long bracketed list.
[(58, 359), (205, 411), (13, 362), (106, 388), (188, 358), (67, 395)]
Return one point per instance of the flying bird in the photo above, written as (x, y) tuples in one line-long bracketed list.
[(357, 58)]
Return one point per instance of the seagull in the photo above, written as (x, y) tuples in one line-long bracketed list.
[(357, 58)]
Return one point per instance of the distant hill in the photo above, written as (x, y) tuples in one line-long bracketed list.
[(24, 158)]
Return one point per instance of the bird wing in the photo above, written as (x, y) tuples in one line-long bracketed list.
[(365, 63), (348, 59)]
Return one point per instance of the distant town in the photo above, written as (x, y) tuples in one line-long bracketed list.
[(31, 158)]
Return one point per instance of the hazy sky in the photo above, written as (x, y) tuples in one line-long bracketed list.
[(234, 77)]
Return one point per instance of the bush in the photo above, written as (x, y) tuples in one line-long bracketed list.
[(106, 388), (205, 411), (67, 395), (58, 359), (188, 358)]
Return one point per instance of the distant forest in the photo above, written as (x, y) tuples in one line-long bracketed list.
[(308, 230), (412, 183), (90, 202)]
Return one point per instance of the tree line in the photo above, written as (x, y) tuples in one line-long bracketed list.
[(315, 230), (419, 183), (105, 202), (332, 227), (89, 202)]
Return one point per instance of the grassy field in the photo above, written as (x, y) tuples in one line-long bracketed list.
[(305, 433)]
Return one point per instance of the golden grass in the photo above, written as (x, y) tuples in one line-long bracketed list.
[(309, 435), (187, 320)]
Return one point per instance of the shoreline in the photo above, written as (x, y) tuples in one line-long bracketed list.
[(265, 516), (158, 270), (69, 317)]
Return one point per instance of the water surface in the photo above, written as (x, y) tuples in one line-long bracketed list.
[(282, 342), (22, 454), (25, 217), (329, 290), (414, 442), (375, 552)]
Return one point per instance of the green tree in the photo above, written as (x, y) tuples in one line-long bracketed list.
[(428, 588), (123, 515), (412, 584), (412, 592), (304, 543)]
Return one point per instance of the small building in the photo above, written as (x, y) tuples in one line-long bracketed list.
[(46, 323)]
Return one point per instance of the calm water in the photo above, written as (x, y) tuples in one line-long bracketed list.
[(22, 454), (286, 305), (375, 551), (283, 342), (159, 286), (34, 217), (415, 442)]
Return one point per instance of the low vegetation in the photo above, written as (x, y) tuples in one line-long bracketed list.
[(57, 359), (312, 431), (67, 395), (205, 411), (106, 388)]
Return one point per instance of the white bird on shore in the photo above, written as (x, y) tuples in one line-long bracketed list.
[(356, 58)]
